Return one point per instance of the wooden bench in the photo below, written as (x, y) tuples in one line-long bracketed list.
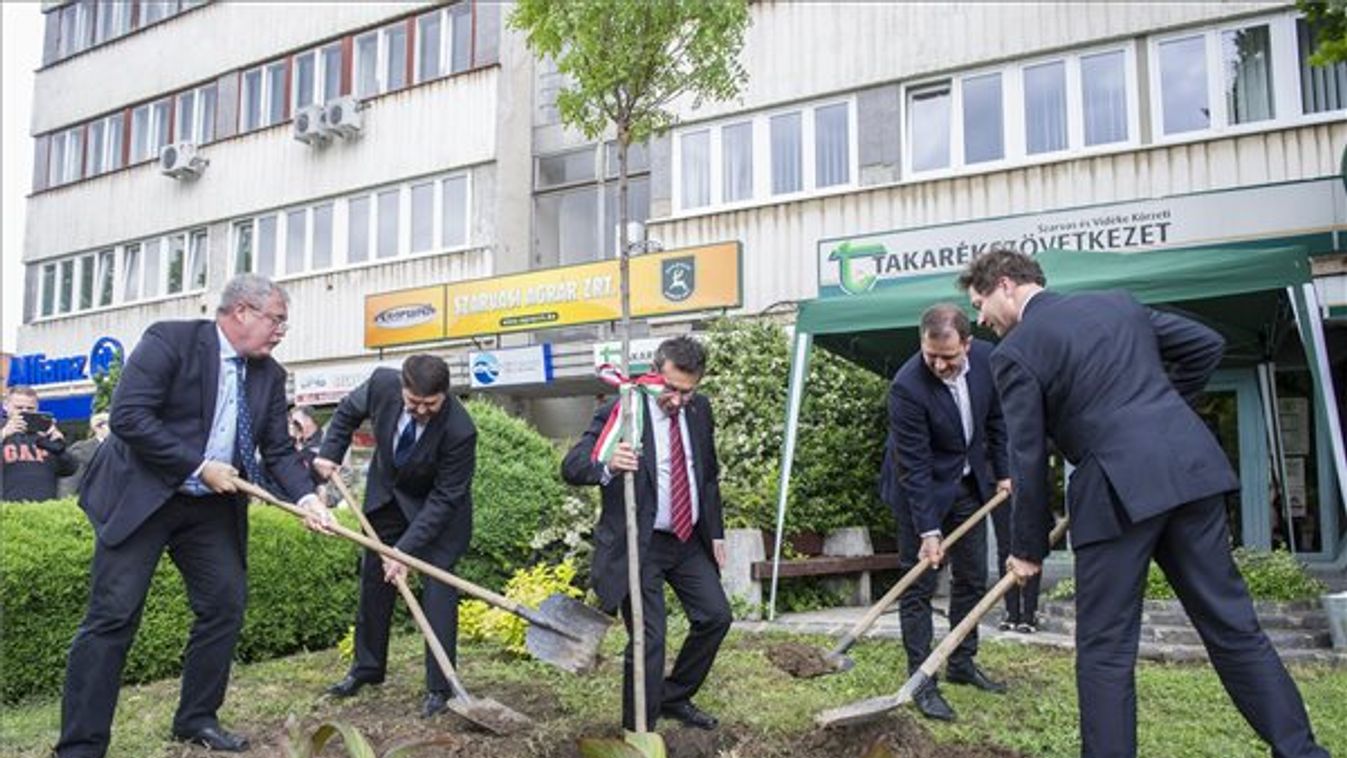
[(826, 565)]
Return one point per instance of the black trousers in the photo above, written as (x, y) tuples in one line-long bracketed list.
[(205, 537), (1021, 602), (968, 581), (691, 572), (1192, 545), (377, 598)]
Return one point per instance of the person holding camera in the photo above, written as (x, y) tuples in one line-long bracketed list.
[(34, 452)]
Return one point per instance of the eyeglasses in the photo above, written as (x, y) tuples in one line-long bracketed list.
[(278, 323)]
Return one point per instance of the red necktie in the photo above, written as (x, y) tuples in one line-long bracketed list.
[(680, 494)]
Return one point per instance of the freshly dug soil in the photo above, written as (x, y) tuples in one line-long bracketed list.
[(800, 661)]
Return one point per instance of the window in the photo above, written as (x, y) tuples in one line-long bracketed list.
[(576, 224), (983, 119), (177, 253), (1247, 58), (568, 226), (388, 223), (322, 237), (64, 294), (566, 168), (250, 110), (107, 276), (86, 280), (331, 61), (832, 154), (243, 247), (266, 246), (196, 115), (460, 52), (131, 273), (737, 162), (1103, 94), (114, 20), (306, 76), (696, 168), (423, 217), (93, 156), (152, 258), (1322, 88), (429, 47), (66, 157), (367, 65), (296, 234), (104, 150), (395, 57), (357, 232), (928, 126), (197, 256), (49, 289), (76, 27), (1045, 107), (1183, 85), (263, 99), (149, 131), (786, 154), (454, 211), (275, 99)]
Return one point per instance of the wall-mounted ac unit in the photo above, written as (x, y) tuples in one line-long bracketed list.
[(180, 161), (344, 116), (310, 125)]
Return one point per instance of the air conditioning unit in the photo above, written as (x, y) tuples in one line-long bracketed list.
[(180, 161), (310, 125), (343, 116)]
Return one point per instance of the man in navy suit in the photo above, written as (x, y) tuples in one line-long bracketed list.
[(419, 499), (1112, 382), (945, 456), (680, 527), (197, 402)]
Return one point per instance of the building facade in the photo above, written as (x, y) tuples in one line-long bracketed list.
[(907, 120)]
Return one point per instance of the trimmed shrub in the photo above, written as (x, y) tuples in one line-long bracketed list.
[(840, 446), (516, 492), (301, 595), (1274, 575), (529, 586)]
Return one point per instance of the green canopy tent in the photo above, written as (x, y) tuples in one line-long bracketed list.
[(1256, 297)]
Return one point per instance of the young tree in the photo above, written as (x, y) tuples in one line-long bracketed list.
[(625, 63), (1328, 18)]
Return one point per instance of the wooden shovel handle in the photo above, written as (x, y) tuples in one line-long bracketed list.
[(413, 605), (915, 573)]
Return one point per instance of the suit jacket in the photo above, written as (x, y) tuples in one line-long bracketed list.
[(434, 488), (1110, 381), (609, 571), (162, 412), (926, 451)]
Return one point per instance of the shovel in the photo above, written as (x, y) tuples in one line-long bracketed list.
[(869, 710), (562, 631), (484, 712), (836, 660)]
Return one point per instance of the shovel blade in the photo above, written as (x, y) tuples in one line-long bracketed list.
[(859, 712), (490, 715), (571, 637)]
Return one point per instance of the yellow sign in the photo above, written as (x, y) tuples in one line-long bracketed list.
[(677, 281), (404, 316)]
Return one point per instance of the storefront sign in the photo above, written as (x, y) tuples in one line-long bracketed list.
[(677, 281), (858, 264), (37, 369), (642, 354), (404, 317), (510, 366), (329, 384)]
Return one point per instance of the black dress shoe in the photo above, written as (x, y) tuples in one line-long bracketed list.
[(215, 738), (932, 704), (689, 714), (435, 702), (974, 676), (350, 685)]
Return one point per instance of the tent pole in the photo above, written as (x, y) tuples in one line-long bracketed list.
[(1312, 327), (799, 370), (1267, 386)]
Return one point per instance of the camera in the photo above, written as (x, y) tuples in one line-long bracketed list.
[(37, 422)]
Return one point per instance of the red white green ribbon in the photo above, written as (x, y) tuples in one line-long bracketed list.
[(645, 385)]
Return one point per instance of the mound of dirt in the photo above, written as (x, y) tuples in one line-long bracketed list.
[(800, 661)]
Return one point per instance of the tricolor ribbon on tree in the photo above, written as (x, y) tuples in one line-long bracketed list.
[(651, 385)]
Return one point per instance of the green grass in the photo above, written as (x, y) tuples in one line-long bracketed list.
[(1182, 709)]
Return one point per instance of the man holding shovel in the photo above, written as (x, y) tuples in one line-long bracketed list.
[(418, 498), (945, 456), (1111, 382), (680, 529)]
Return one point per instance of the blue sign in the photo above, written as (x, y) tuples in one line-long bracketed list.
[(36, 368), (510, 366), (485, 368)]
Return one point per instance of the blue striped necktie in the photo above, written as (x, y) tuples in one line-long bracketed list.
[(245, 447), (402, 451)]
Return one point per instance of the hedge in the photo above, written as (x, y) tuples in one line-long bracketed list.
[(301, 596)]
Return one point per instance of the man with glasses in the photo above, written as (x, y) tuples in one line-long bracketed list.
[(197, 403), (681, 531)]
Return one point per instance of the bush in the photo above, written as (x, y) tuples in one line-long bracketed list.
[(301, 595), (531, 586), (1275, 575), (517, 491), (840, 446)]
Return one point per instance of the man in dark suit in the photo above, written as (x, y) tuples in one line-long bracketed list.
[(418, 497), (197, 401), (680, 531), (945, 457), (1112, 382)]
